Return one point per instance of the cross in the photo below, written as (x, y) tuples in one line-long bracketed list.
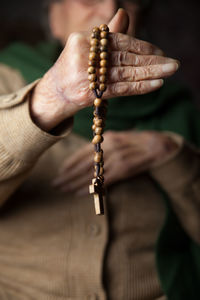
[(96, 189)]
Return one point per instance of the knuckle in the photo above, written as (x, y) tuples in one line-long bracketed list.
[(121, 74), (123, 43), (134, 74), (120, 58), (139, 87), (142, 73), (137, 61), (151, 71), (130, 74), (112, 74), (75, 38), (150, 61), (123, 58), (137, 45), (121, 89)]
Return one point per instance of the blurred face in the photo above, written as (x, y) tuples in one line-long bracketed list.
[(69, 16)]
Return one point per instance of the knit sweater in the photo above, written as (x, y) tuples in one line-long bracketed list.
[(63, 251)]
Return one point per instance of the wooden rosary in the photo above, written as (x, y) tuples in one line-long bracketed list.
[(98, 61)]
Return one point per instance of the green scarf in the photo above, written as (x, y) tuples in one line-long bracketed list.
[(170, 108)]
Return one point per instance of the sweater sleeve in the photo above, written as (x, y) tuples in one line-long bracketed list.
[(21, 141), (180, 178)]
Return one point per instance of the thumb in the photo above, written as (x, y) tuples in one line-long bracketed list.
[(120, 22)]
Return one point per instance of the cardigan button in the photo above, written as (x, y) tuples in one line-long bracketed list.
[(94, 230)]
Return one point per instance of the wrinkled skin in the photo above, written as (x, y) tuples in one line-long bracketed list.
[(136, 67)]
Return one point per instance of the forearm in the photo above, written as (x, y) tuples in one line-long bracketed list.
[(180, 178), (21, 141)]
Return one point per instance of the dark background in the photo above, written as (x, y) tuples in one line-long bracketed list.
[(174, 25)]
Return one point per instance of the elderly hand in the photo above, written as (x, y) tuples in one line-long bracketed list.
[(126, 155), (135, 68)]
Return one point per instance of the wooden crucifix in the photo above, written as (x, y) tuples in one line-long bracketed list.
[(96, 189)]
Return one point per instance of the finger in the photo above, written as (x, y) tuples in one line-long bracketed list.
[(121, 74), (132, 88), (76, 158), (112, 176), (75, 185), (113, 140), (123, 42), (130, 154), (131, 165), (120, 22), (80, 168), (125, 58)]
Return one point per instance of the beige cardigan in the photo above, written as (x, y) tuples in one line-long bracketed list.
[(52, 246)]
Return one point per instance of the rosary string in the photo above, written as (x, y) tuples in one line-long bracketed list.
[(98, 61)]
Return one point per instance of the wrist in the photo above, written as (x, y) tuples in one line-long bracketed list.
[(44, 109)]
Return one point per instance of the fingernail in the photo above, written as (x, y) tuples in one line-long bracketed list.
[(157, 83), (167, 68), (159, 52)]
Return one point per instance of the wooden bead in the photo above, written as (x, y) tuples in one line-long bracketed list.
[(98, 102), (95, 119), (100, 173), (93, 127), (96, 29), (93, 56), (104, 55), (103, 71), (97, 139), (91, 70), (93, 85), (104, 42), (98, 157), (92, 63), (104, 27), (94, 42), (92, 77), (104, 34), (102, 79), (98, 122), (103, 48), (98, 130), (95, 35), (103, 63), (102, 87), (101, 164), (101, 178), (94, 49)]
